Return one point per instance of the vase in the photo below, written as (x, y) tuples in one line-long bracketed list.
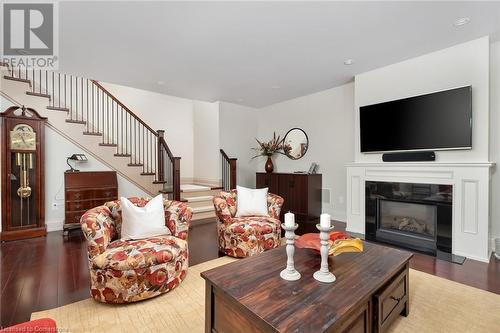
[(269, 165)]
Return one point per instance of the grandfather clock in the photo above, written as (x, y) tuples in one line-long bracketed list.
[(22, 182)]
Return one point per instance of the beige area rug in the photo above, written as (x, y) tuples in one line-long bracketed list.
[(436, 305)]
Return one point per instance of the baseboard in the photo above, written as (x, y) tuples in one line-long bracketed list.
[(492, 244), (54, 225), (339, 216), (486, 260)]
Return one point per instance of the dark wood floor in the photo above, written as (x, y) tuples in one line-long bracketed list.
[(44, 273)]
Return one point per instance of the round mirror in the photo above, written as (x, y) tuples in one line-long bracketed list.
[(295, 143)]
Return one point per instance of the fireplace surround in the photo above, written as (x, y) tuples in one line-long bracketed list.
[(470, 199), (411, 215)]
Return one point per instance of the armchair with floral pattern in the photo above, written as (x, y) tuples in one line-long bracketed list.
[(248, 235), (123, 271)]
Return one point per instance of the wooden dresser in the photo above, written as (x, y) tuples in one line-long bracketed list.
[(302, 194), (85, 190)]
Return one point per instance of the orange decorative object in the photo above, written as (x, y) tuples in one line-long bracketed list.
[(340, 242)]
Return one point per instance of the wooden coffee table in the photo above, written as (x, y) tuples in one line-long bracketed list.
[(371, 290)]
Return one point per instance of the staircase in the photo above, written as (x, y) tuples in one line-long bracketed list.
[(200, 199), (88, 115)]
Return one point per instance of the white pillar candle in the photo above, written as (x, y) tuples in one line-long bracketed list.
[(325, 221), (289, 219)]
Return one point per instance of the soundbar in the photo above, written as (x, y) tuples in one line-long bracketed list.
[(414, 156)]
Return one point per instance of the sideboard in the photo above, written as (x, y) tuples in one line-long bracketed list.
[(302, 195)]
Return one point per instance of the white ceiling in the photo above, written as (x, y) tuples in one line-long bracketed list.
[(255, 53)]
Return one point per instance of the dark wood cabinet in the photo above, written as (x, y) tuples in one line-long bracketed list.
[(85, 190), (302, 194)]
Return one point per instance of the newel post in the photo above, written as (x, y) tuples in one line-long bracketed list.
[(176, 178), (232, 168), (161, 164)]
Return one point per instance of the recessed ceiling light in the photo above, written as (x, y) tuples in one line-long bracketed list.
[(161, 83), (348, 62), (461, 21)]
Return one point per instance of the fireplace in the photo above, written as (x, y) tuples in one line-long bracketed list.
[(409, 215)]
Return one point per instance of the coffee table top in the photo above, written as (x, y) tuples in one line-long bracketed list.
[(306, 304)]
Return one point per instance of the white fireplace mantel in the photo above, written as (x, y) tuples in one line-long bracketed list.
[(470, 183)]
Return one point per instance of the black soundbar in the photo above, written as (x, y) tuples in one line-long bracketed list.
[(414, 156)]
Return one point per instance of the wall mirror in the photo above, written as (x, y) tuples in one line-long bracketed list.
[(295, 143)]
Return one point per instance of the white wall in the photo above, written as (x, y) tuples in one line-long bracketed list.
[(57, 148), (495, 138), (206, 142), (159, 111), (328, 119), (237, 131), (460, 65)]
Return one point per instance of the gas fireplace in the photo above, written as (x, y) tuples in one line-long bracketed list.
[(414, 216)]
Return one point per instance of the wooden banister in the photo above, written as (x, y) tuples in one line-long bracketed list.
[(123, 106), (228, 171)]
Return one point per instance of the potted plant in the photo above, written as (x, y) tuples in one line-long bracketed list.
[(269, 149)]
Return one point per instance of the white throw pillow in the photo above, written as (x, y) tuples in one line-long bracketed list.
[(251, 202), (143, 222)]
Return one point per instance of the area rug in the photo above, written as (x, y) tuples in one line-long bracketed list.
[(436, 305)]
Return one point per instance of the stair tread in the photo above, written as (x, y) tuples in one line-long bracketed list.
[(199, 198), (31, 93), (194, 188), (12, 78), (83, 122), (147, 173), (203, 209), (123, 155), (57, 108), (108, 144), (135, 164), (92, 133)]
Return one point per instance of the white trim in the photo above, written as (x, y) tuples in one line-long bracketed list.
[(471, 189), (54, 225)]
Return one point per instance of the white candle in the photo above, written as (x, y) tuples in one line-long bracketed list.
[(289, 219), (324, 221)]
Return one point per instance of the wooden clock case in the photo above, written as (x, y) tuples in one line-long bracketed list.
[(12, 203)]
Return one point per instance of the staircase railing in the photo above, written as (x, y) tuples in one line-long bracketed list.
[(169, 172), (228, 171), (88, 103)]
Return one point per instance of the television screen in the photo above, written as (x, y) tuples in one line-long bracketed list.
[(441, 120)]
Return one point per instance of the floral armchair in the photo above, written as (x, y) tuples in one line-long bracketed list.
[(249, 235), (124, 271)]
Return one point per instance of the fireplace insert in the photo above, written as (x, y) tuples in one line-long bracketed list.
[(409, 215)]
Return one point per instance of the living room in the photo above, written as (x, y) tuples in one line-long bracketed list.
[(318, 166)]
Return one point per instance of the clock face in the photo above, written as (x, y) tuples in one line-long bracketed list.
[(22, 137)]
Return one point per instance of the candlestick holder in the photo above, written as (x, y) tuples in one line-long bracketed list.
[(289, 273), (324, 275)]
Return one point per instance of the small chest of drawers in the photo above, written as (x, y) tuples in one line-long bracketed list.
[(85, 190)]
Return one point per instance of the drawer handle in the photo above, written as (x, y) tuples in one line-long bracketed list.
[(397, 299)]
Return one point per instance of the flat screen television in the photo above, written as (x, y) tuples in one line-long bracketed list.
[(436, 121)]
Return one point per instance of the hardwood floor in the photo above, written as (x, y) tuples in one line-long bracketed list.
[(43, 273)]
